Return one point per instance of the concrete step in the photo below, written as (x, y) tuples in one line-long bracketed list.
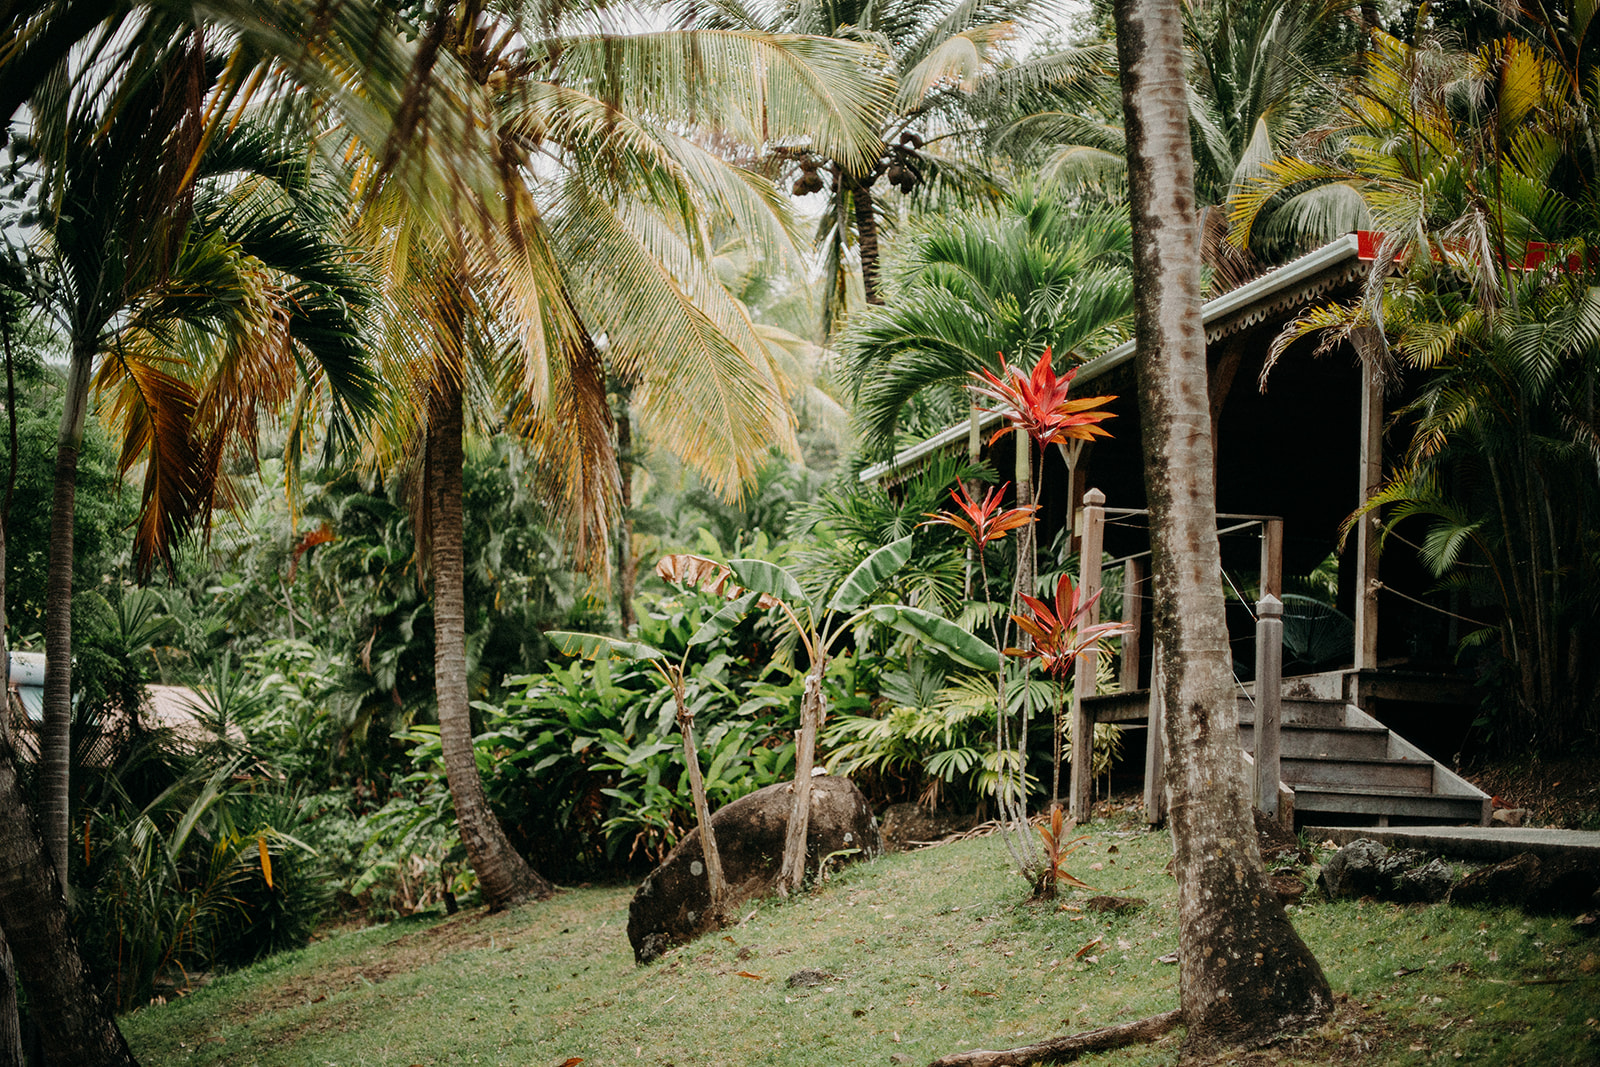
[(1371, 803), (1334, 742), (1387, 775)]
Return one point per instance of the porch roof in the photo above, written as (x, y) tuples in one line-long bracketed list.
[(1296, 282)]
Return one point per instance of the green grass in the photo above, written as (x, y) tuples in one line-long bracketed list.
[(929, 952)]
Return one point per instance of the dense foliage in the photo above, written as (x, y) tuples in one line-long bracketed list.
[(655, 286)]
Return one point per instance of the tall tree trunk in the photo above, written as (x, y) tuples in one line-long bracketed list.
[(504, 875), (77, 1025), (55, 735), (866, 234), (1246, 975), (10, 1021), (627, 568)]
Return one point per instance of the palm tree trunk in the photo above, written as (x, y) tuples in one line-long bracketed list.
[(627, 567), (1245, 972), (716, 881), (504, 875), (78, 1027), (792, 872), (55, 735), (866, 234)]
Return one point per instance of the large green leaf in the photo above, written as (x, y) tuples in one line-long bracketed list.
[(762, 577), (726, 619), (869, 574), (593, 646), (941, 633)]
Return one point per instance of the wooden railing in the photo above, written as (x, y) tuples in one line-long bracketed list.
[(1135, 586)]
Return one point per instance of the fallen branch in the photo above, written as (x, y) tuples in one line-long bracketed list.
[(1060, 1048)]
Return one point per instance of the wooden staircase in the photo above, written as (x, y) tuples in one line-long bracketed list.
[(1346, 768)]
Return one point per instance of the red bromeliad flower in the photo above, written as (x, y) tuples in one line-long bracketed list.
[(1058, 637), (984, 522), (1037, 403)]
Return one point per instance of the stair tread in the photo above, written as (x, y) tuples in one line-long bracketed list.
[(1378, 791), (1327, 727)]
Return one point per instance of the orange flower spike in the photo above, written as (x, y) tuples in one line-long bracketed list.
[(983, 522)]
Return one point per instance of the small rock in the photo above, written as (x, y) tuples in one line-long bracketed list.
[(1114, 905), (1509, 816), (807, 978)]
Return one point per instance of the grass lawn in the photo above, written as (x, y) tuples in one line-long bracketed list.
[(925, 953)]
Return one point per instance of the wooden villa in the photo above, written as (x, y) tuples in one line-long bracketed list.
[(1297, 453)]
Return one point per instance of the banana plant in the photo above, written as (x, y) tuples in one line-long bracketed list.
[(594, 646), (818, 624)]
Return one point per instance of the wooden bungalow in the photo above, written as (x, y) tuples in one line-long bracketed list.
[(1297, 452)]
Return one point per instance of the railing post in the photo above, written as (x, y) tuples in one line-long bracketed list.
[(1133, 619), (1272, 558), (1084, 671), (1269, 702)]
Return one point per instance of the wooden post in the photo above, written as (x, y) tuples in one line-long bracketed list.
[(1269, 703), (1371, 477), (1084, 671), (1155, 770), (1271, 558), (1133, 583)]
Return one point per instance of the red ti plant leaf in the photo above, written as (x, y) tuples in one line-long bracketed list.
[(983, 522), (1058, 630), (1038, 403)]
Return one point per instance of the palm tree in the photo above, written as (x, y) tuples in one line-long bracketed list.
[(139, 273), (1028, 277), (1262, 73), (1245, 971), (579, 221), (1476, 165), (936, 54)]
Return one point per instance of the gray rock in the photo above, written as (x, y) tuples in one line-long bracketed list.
[(1353, 870), (908, 825), (673, 905), (1427, 884)]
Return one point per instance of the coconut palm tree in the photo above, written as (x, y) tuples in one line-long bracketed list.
[(1261, 74), (937, 55), (589, 246)]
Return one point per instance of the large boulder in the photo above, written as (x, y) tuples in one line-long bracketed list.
[(672, 906)]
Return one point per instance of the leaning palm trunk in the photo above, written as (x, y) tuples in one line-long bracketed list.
[(792, 872), (716, 882), (504, 875), (55, 736), (77, 1025), (1246, 975)]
